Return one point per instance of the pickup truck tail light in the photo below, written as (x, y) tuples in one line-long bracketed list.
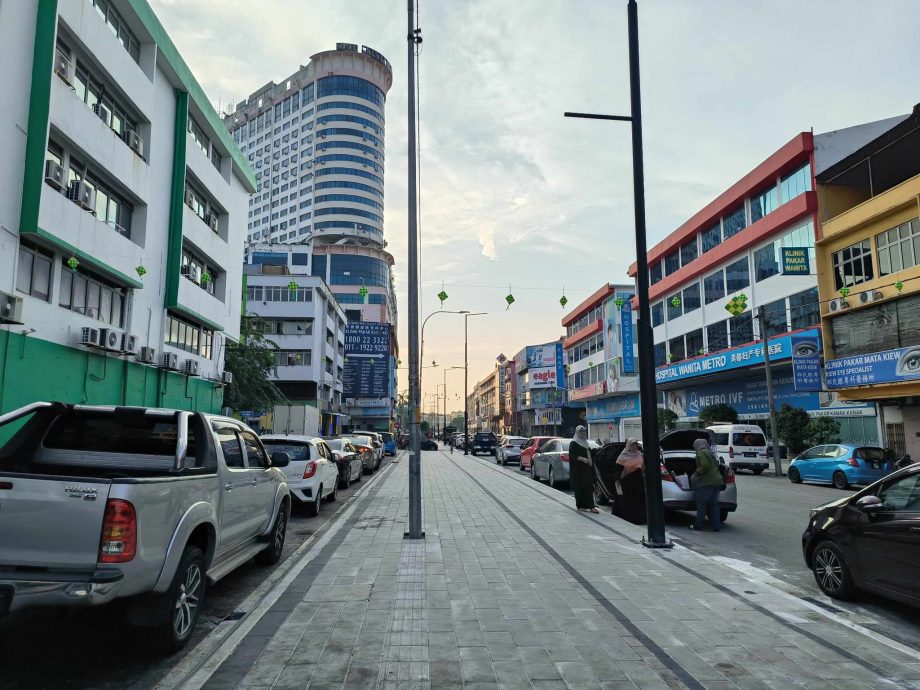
[(309, 470), (119, 532)]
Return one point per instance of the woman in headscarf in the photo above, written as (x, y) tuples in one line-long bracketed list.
[(581, 471), (707, 481), (630, 484)]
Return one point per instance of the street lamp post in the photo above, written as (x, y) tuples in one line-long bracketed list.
[(446, 369), (434, 313), (653, 496), (466, 380)]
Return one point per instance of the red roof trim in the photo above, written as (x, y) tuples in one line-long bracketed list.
[(587, 331), (803, 205), (784, 160), (588, 304)]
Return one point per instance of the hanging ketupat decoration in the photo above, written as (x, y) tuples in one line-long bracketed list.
[(442, 295), (563, 300), (292, 286), (509, 298), (73, 262), (141, 270), (619, 301)]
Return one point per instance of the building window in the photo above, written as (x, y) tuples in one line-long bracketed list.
[(34, 274), (691, 298), (654, 272), (898, 248), (688, 252), (87, 294), (96, 94), (657, 314), (766, 262), (342, 85), (775, 314), (695, 343), (711, 238), (198, 136), (186, 335), (853, 265), (675, 306), (358, 270), (351, 198), (676, 349), (803, 309), (741, 329), (110, 207), (672, 263), (796, 183), (118, 27), (344, 105), (764, 203), (888, 326), (714, 287), (737, 276), (278, 293), (734, 222), (293, 358), (661, 355), (717, 336)]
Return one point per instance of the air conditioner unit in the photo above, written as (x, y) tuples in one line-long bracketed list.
[(869, 296), (170, 360), (227, 377), (128, 343), (189, 198), (63, 67), (148, 355), (211, 220), (10, 309), (110, 339), (54, 175), (838, 304), (192, 272), (102, 112), (134, 141), (90, 337), (190, 367), (210, 287), (82, 194)]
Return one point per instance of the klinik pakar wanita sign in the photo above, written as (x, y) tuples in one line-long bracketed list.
[(367, 362)]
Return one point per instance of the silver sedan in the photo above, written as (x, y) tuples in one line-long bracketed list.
[(551, 462), (509, 450)]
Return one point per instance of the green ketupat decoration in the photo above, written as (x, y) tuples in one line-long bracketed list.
[(73, 263), (563, 300), (292, 286), (509, 298), (619, 301), (141, 270), (675, 300), (205, 278), (362, 291), (899, 286), (737, 304), (844, 291), (442, 296)]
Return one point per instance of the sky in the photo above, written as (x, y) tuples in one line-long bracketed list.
[(514, 197)]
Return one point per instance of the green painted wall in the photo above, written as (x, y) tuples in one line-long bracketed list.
[(33, 369)]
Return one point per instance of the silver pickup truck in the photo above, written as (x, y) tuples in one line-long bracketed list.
[(147, 505)]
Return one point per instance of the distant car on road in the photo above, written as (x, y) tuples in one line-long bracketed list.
[(841, 464), (740, 446), (528, 449), (365, 447), (389, 443), (348, 459), (483, 442), (428, 444), (509, 449), (870, 540)]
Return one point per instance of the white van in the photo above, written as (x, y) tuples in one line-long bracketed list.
[(741, 446)]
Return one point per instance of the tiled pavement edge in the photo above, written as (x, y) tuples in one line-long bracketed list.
[(511, 588)]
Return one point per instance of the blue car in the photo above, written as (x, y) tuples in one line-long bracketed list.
[(841, 464), (389, 443)]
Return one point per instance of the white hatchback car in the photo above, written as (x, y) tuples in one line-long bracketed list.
[(312, 474)]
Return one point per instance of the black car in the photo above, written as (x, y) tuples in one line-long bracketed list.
[(870, 540), (428, 444), (483, 442)]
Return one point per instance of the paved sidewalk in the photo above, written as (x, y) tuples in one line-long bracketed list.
[(513, 588)]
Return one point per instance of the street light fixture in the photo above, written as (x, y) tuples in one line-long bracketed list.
[(440, 311), (466, 379), (446, 369), (647, 397)]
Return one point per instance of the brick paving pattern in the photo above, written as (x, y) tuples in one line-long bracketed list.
[(512, 588)]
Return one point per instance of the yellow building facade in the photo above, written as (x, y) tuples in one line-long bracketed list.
[(868, 266)]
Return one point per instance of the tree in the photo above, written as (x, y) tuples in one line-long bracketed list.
[(425, 427), (252, 362), (792, 427), (666, 419), (720, 412), (821, 430)]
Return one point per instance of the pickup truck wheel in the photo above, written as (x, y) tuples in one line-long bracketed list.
[(184, 598), (313, 506), (272, 553)]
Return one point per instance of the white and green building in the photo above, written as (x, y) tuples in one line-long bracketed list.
[(123, 204)]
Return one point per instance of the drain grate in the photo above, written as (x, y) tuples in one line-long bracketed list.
[(235, 616)]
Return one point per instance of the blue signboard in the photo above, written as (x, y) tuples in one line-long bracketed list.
[(889, 366), (795, 261), (748, 396), (780, 348), (367, 361), (626, 324), (806, 363), (612, 409)]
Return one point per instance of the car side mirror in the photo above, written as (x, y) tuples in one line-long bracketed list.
[(870, 504), (280, 459)]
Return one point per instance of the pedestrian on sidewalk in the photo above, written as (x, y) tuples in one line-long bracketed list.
[(707, 481), (581, 469), (629, 483)]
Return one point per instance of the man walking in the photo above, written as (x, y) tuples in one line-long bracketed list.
[(707, 480)]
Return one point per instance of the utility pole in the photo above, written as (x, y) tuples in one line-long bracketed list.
[(653, 496), (762, 320), (466, 385), (413, 38)]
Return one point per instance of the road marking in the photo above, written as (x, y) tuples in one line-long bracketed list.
[(194, 670)]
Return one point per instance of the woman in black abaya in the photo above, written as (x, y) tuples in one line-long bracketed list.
[(581, 471)]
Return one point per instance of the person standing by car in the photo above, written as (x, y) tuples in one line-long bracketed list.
[(629, 483), (581, 467), (707, 481)]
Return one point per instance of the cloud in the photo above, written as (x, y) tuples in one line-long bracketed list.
[(487, 243)]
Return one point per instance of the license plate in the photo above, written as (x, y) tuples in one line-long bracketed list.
[(6, 600), (875, 465), (750, 455)]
